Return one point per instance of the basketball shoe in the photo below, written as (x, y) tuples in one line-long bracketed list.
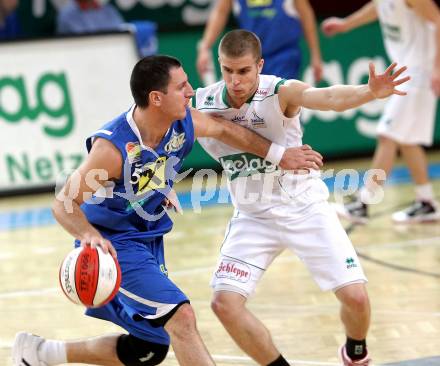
[(354, 210), (347, 361), (25, 350), (418, 212)]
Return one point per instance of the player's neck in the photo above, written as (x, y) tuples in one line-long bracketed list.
[(152, 126), (236, 102)]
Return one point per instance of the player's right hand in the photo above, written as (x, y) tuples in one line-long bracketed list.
[(333, 26), (303, 157), (96, 240), (203, 60)]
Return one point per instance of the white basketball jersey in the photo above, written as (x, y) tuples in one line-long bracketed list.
[(255, 184), (408, 38)]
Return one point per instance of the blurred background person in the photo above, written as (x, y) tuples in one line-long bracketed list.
[(411, 34), (9, 22), (92, 16), (87, 16), (279, 24)]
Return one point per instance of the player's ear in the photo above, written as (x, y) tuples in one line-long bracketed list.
[(260, 65), (155, 98)]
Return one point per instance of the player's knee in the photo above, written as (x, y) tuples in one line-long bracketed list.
[(221, 306), (133, 351), (357, 300), (182, 322)]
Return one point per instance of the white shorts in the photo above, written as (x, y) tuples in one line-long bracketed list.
[(410, 119), (316, 236)]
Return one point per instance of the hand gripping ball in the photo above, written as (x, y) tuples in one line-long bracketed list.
[(90, 277)]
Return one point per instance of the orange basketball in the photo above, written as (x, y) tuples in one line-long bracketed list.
[(90, 277)]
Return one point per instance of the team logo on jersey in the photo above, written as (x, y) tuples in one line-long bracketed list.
[(176, 142), (245, 164), (133, 150), (233, 270), (257, 121), (239, 119), (262, 92), (149, 176), (209, 101)]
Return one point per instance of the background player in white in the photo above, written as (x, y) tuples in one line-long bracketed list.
[(274, 210), (411, 34)]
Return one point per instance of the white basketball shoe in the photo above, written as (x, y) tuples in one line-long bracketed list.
[(25, 350), (347, 361)]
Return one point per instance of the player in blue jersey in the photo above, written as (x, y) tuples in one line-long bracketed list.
[(115, 200), (279, 24)]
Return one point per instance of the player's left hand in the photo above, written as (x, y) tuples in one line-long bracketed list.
[(172, 202), (384, 85)]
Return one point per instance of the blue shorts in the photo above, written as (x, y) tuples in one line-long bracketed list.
[(146, 292)]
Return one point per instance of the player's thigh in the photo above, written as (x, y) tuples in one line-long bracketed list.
[(250, 245), (322, 244)]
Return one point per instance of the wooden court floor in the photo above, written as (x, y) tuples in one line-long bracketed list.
[(402, 264)]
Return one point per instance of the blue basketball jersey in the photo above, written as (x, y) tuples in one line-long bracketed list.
[(131, 206), (277, 25)]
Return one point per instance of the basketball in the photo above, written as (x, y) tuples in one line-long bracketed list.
[(90, 277)]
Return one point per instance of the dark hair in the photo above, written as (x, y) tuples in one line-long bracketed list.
[(240, 42), (149, 74)]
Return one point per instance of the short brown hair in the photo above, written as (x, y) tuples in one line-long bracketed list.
[(240, 42)]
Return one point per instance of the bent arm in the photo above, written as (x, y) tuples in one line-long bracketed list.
[(102, 164), (364, 15), (230, 133)]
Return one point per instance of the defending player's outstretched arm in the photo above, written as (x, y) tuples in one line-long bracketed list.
[(295, 94), (230, 133)]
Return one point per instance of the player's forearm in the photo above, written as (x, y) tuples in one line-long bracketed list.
[(215, 25), (70, 216), (243, 139), (342, 97), (364, 15), (437, 44), (308, 21)]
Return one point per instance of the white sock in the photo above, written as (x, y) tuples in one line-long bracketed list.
[(424, 192), (52, 352)]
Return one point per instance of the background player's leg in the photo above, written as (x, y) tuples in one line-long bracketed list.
[(415, 159), (185, 338), (247, 331), (383, 159)]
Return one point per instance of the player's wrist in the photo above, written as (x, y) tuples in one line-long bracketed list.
[(275, 153), (202, 46)]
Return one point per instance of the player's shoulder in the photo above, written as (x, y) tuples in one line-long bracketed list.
[(211, 96), (268, 86)]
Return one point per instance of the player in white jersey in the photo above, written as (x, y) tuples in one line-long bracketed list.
[(411, 33), (275, 210)]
